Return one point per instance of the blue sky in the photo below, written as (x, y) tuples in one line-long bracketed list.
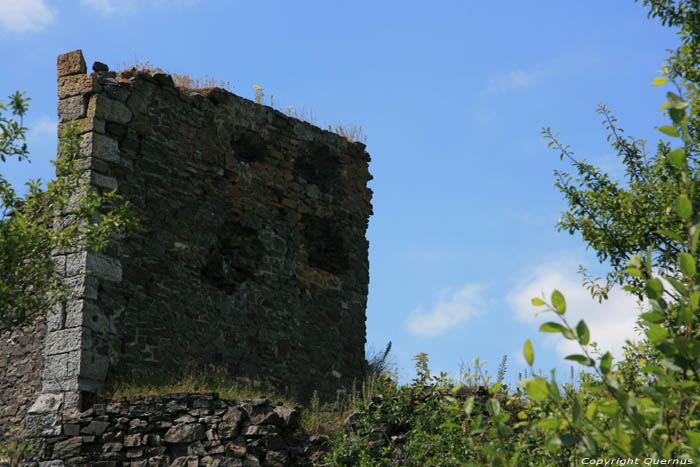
[(452, 96)]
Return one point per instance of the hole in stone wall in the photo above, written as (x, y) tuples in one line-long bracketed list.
[(319, 166), (325, 245), (234, 258), (247, 145)]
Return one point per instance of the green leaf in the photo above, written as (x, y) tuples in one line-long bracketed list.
[(659, 80), (529, 353), (548, 424), (656, 333), (558, 302), (536, 388), (606, 363), (685, 316), (494, 389), (654, 288), (653, 317), (668, 130), (583, 334), (678, 285), (677, 157), (591, 444), (577, 412), (694, 301), (633, 272), (608, 406), (687, 263), (554, 389), (494, 407), (671, 235), (635, 261), (552, 327), (538, 302), (469, 406), (553, 444), (665, 105), (683, 207), (693, 439), (677, 115), (567, 439), (582, 359), (591, 410), (676, 101)]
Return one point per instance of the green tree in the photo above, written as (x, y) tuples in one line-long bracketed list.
[(67, 216), (654, 223), (617, 221)]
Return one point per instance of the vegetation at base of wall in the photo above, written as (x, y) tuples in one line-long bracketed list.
[(316, 417), (352, 132)]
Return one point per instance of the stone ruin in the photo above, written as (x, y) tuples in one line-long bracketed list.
[(253, 256)]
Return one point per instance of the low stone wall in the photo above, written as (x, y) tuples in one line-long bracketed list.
[(186, 430)]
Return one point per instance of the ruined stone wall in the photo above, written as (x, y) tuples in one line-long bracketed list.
[(180, 430), (21, 368), (252, 256)]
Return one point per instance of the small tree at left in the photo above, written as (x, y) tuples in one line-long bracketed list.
[(68, 215)]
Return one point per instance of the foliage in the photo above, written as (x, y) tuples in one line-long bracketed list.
[(16, 451), (618, 222), (28, 239)]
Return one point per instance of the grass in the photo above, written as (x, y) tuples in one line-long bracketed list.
[(315, 418), (352, 132)]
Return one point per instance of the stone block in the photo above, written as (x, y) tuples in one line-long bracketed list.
[(104, 181), (71, 63), (63, 341), (74, 85), (64, 365), (72, 107), (108, 110), (100, 146), (105, 268), (93, 365), (46, 403)]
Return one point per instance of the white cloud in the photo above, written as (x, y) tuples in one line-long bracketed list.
[(515, 80), (104, 7), (108, 7), (25, 15), (610, 323), (44, 127), (446, 314)]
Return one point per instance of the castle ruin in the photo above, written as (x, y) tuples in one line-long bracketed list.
[(252, 256)]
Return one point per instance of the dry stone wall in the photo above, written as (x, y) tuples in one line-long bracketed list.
[(252, 256), (180, 430)]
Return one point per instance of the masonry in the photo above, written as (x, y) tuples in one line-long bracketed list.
[(252, 256)]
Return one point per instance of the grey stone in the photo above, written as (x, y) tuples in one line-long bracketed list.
[(103, 181), (72, 107), (62, 341), (185, 433), (99, 66), (105, 268), (67, 448), (100, 146), (46, 403), (95, 428)]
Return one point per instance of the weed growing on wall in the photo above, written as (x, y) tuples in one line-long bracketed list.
[(352, 132)]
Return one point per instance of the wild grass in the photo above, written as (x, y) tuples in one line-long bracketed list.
[(316, 417), (352, 132)]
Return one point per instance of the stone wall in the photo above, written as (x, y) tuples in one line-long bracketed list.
[(21, 367), (252, 256), (180, 430)]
